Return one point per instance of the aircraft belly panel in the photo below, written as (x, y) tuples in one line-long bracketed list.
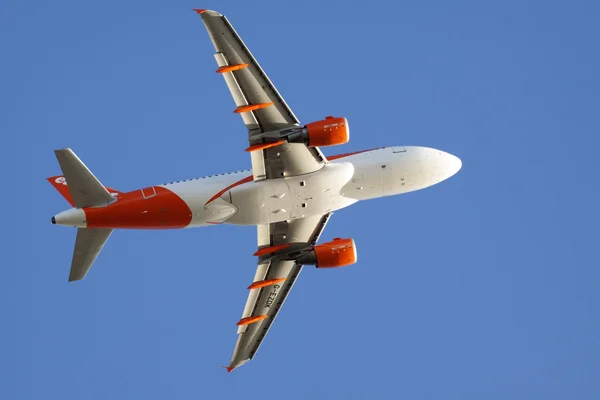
[(282, 199), (250, 201)]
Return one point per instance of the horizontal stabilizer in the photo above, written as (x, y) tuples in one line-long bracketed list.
[(84, 187), (88, 245)]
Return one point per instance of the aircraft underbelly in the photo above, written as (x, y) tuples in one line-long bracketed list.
[(282, 199)]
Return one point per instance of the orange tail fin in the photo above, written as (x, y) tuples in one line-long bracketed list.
[(60, 183)]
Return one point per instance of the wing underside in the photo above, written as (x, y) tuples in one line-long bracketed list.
[(263, 110), (259, 103), (264, 303)]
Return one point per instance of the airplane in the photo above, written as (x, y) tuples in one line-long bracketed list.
[(289, 194)]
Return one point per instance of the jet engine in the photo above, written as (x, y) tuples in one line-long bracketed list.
[(337, 253), (328, 132)]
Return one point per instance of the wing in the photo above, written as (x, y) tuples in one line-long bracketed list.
[(259, 103), (272, 283)]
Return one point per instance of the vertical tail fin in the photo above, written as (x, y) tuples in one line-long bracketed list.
[(84, 188), (60, 183)]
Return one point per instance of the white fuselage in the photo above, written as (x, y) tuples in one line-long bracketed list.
[(340, 183)]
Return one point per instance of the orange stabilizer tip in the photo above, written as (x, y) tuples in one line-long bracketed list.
[(251, 320), (271, 249), (229, 369), (262, 146), (251, 107), (268, 282), (199, 11), (229, 68)]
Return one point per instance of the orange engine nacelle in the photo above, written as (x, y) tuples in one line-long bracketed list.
[(338, 253), (328, 132)]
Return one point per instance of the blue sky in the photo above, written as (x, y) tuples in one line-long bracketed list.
[(485, 286)]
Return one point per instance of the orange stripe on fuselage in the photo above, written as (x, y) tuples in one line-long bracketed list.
[(142, 209), (249, 178), (240, 182), (338, 156)]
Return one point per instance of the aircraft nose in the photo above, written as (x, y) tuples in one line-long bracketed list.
[(451, 164), (53, 220)]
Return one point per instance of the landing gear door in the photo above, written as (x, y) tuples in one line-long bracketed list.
[(299, 198)]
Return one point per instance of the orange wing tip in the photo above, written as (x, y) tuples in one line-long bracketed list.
[(229, 68), (271, 249), (269, 282), (251, 320), (199, 11), (262, 146), (252, 107), (229, 369)]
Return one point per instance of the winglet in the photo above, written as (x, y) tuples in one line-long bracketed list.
[(229, 369), (199, 11)]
